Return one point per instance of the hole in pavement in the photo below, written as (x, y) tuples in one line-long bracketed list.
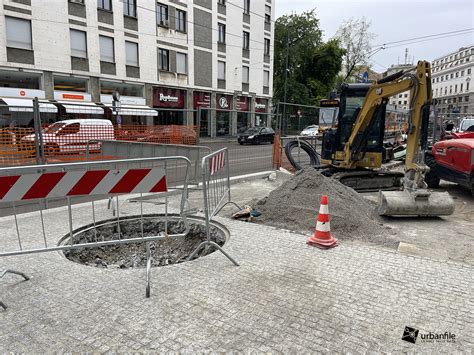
[(133, 255)]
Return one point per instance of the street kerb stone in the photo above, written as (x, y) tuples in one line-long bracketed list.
[(353, 297)]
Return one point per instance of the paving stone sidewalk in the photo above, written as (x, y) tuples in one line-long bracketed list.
[(285, 297)]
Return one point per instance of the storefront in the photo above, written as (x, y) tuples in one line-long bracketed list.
[(172, 103), (72, 104), (132, 110), (243, 113), (202, 100), (16, 107), (261, 112), (223, 115)]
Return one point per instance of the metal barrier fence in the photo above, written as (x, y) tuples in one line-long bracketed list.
[(124, 149), (102, 179), (279, 158), (216, 192)]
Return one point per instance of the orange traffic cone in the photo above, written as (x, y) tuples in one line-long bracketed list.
[(322, 237)]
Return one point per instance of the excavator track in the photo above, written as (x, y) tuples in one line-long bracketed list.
[(367, 180)]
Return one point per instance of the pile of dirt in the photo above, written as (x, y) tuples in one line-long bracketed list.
[(164, 252), (295, 204)]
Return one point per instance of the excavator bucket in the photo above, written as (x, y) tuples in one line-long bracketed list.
[(415, 203)]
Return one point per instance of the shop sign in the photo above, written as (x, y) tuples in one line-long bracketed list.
[(168, 97), (124, 100), (261, 105), (74, 96), (201, 99), (223, 102), (243, 103), (22, 93)]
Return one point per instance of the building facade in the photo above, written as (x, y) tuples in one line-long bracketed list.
[(452, 82), (400, 102), (181, 57)]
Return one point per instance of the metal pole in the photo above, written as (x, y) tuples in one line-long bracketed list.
[(38, 133), (286, 79)]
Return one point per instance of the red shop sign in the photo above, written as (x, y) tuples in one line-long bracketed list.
[(168, 97), (224, 102), (243, 103), (201, 99), (261, 105)]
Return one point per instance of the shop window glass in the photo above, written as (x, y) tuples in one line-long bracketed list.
[(65, 83), (22, 80), (108, 88)]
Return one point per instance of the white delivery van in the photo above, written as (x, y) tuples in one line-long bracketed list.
[(74, 135)]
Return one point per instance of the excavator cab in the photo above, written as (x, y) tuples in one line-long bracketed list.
[(351, 100)]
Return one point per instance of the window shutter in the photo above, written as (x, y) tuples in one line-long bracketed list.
[(181, 63), (18, 33), (78, 44), (106, 49), (131, 53)]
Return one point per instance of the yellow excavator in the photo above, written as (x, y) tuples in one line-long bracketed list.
[(353, 152)]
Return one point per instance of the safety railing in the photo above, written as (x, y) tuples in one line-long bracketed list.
[(96, 180), (216, 193), (127, 149)]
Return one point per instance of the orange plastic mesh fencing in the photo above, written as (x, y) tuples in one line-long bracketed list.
[(279, 158), (78, 141)]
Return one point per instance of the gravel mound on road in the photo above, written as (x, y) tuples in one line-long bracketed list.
[(295, 205)]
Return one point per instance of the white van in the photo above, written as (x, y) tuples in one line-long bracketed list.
[(74, 135)]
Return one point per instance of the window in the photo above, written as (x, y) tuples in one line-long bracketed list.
[(406, 95), (452, 75), (181, 63), (405, 102), (246, 40), (399, 102), (131, 53), (245, 74), (129, 8), (221, 27), (456, 88), (450, 89), (460, 88), (18, 33), (180, 21), (442, 78), (266, 78), (267, 46), (437, 79), (247, 7), (162, 15), (104, 5), (469, 71), (107, 53), (467, 89), (163, 59), (268, 14), (220, 70), (457, 74), (462, 72), (78, 43), (222, 2)]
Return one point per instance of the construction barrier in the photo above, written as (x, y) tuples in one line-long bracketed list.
[(101, 179), (279, 158), (62, 141), (126, 149), (216, 193)]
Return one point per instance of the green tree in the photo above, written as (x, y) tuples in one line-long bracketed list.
[(312, 64)]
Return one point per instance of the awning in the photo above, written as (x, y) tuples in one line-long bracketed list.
[(135, 110), (82, 107), (26, 105)]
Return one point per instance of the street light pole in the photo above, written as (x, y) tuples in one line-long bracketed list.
[(286, 78)]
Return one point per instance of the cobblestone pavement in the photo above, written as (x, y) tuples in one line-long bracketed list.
[(285, 297)]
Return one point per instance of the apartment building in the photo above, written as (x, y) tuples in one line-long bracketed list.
[(452, 87), (179, 57)]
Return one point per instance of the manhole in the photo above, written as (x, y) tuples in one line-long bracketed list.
[(164, 252)]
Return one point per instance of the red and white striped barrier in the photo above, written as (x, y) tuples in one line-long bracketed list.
[(216, 162), (77, 183)]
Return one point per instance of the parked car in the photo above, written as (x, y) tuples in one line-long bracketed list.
[(311, 130), (467, 124), (71, 136), (256, 135)]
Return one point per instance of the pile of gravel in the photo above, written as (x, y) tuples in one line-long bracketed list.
[(295, 204)]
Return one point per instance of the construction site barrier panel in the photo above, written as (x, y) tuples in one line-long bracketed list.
[(216, 193), (127, 149), (40, 184)]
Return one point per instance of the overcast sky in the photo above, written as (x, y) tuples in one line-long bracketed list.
[(396, 20)]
